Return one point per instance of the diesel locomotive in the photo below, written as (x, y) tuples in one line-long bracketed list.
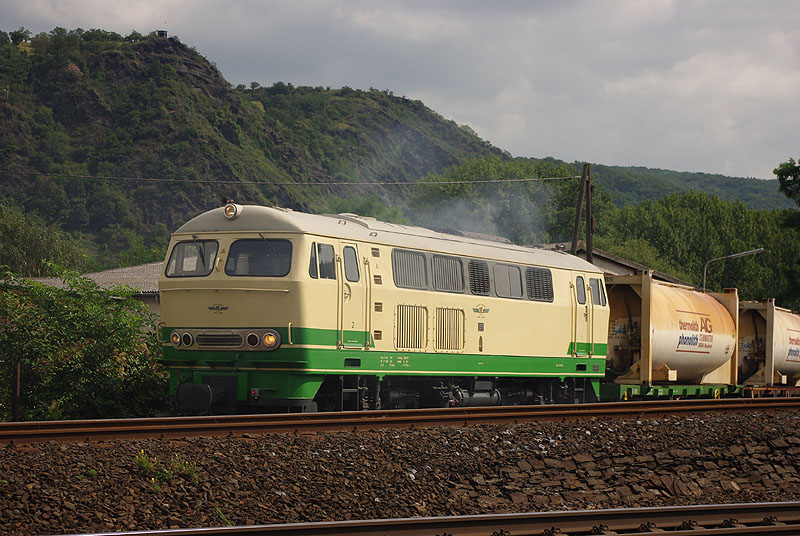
[(268, 309)]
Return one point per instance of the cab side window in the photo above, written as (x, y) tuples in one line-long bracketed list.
[(312, 265), (598, 294), (321, 264), (351, 264), (580, 288)]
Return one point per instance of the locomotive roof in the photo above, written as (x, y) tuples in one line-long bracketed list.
[(255, 218)]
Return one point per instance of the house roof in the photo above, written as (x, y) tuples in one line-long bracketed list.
[(144, 278), (614, 264)]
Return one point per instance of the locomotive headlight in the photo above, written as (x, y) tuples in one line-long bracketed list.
[(231, 210), (175, 338), (187, 339), (271, 339)]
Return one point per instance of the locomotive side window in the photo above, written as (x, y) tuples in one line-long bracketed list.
[(192, 259), (540, 284), (351, 264), (507, 281), (598, 294), (259, 257), (312, 265), (479, 277), (448, 274), (580, 287), (409, 269), (327, 268)]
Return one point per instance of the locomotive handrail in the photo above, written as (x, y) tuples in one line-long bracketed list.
[(573, 323), (368, 305), (591, 322)]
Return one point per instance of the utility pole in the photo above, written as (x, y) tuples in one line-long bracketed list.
[(577, 227), (589, 219), (585, 190)]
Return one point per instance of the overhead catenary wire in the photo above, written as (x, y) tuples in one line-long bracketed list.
[(324, 183)]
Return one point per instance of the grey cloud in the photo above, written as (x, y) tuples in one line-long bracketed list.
[(682, 84)]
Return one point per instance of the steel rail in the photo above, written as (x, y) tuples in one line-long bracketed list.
[(757, 518), (79, 430)]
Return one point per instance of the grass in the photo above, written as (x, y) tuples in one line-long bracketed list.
[(159, 472)]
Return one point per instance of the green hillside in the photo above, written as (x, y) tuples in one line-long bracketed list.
[(85, 112), (632, 185)]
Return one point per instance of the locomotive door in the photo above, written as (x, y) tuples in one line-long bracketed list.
[(353, 294), (582, 316)]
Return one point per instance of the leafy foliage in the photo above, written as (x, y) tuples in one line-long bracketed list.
[(633, 185), (678, 234), (85, 352), (27, 246), (788, 174)]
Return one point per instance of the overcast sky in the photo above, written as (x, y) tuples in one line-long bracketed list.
[(687, 85)]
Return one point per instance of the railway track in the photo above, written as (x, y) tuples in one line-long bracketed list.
[(729, 519), (93, 430)]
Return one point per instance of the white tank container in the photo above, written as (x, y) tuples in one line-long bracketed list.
[(769, 337), (690, 333)]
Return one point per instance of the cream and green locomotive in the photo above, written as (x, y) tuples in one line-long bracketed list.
[(267, 309)]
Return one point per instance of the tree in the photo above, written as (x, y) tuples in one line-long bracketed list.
[(134, 37), (28, 246), (20, 36), (788, 174), (678, 234), (84, 352)]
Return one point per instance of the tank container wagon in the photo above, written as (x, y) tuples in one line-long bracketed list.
[(769, 347), (267, 309), (668, 341)]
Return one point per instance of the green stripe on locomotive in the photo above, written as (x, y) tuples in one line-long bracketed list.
[(295, 372)]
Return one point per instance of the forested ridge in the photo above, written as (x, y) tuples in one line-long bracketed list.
[(110, 142)]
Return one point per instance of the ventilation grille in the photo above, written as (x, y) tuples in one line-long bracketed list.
[(447, 274), (409, 269), (218, 341), (479, 277), (540, 284), (412, 327), (449, 329)]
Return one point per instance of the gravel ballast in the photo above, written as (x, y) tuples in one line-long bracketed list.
[(52, 488)]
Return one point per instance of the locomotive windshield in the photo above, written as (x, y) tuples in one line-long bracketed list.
[(192, 258), (260, 257)]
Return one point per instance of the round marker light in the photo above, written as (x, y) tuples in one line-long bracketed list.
[(175, 338), (271, 339), (231, 211), (252, 339), (187, 339)]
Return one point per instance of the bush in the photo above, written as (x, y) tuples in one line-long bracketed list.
[(85, 352)]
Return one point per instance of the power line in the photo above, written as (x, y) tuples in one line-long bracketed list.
[(199, 181)]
